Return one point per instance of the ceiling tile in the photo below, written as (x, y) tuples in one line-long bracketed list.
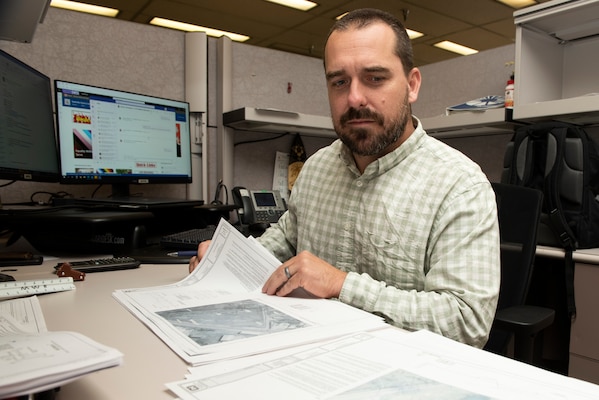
[(473, 12), (479, 39), (504, 28)]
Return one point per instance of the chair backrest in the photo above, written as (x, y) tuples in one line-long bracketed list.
[(519, 211)]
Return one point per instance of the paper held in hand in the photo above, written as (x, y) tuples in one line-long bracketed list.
[(219, 312)]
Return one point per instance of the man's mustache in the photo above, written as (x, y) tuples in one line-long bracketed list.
[(362, 113)]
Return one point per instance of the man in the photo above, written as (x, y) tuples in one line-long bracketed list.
[(388, 219)]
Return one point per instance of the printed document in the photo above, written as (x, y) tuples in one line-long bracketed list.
[(25, 316), (383, 364), (219, 311), (33, 360)]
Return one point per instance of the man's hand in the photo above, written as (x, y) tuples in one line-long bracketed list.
[(306, 271), (194, 261)]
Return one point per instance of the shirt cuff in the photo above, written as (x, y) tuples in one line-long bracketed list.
[(360, 291)]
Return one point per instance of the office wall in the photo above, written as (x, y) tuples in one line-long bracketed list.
[(464, 78), (266, 78), (105, 52)]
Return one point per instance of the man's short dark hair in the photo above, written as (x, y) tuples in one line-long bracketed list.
[(363, 17)]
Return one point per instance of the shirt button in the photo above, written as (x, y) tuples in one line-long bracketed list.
[(359, 183), (347, 226)]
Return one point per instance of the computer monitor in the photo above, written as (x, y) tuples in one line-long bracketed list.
[(27, 135), (115, 137)]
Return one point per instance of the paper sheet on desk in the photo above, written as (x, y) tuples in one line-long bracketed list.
[(384, 364), (33, 360), (22, 315), (218, 312), (33, 363)]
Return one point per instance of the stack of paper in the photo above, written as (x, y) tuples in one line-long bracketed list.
[(382, 364), (219, 312), (33, 360)]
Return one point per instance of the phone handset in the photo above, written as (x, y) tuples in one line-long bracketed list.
[(245, 211)]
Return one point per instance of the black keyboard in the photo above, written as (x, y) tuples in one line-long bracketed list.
[(103, 264), (187, 240)]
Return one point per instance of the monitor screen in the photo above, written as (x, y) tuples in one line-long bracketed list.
[(27, 136), (108, 136)]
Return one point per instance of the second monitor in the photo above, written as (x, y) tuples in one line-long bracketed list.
[(115, 137)]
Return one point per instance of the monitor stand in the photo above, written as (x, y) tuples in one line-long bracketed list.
[(121, 198)]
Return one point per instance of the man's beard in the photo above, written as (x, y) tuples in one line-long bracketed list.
[(365, 142)]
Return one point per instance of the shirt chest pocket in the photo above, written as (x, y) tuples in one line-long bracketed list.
[(392, 251)]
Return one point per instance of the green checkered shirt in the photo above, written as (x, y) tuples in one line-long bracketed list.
[(417, 233)]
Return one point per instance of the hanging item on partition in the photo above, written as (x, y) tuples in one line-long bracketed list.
[(297, 157)]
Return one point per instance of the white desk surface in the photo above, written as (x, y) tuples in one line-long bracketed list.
[(90, 309)]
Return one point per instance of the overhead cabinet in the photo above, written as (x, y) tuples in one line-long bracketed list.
[(557, 54)]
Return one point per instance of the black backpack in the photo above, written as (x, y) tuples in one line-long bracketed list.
[(562, 161)]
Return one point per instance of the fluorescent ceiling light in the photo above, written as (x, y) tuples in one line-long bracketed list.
[(455, 48), (518, 3), (414, 34), (182, 26), (86, 8), (303, 5)]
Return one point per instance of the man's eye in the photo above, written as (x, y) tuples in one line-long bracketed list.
[(338, 83), (376, 79)]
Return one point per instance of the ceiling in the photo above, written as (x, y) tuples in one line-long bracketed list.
[(480, 24)]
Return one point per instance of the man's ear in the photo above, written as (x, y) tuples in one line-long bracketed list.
[(414, 81)]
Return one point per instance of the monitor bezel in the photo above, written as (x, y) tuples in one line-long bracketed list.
[(120, 181), (34, 174)]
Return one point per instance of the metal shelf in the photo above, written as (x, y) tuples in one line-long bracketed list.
[(279, 121)]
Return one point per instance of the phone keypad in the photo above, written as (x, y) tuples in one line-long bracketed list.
[(268, 215)]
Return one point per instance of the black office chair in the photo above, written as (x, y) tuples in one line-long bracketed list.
[(519, 210)]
